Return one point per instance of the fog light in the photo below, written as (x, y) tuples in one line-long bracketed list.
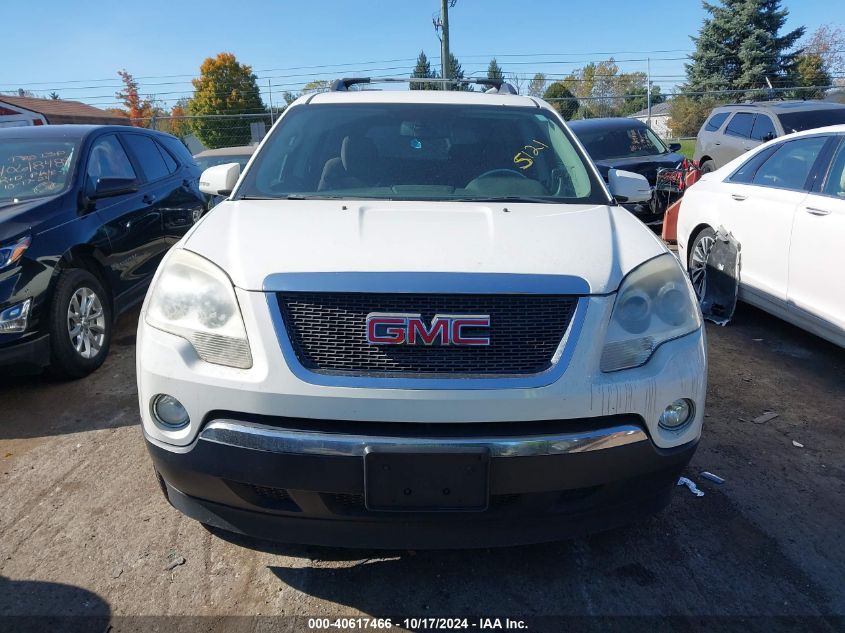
[(677, 414), (15, 318), (169, 412)]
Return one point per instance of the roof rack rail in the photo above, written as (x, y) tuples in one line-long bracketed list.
[(495, 85)]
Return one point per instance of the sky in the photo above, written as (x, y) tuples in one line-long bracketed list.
[(76, 48)]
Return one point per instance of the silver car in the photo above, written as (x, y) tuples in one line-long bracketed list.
[(732, 130)]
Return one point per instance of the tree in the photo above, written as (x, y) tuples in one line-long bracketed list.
[(423, 71), (810, 73), (224, 86), (740, 45), (829, 44), (603, 89), (561, 99), (179, 124), (636, 99), (54, 96), (317, 85), (494, 71), (139, 110), (537, 86), (687, 114), (456, 72)]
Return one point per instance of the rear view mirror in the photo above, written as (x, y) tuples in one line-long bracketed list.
[(108, 187), (626, 186), (220, 179)]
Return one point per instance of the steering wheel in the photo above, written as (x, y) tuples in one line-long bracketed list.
[(497, 172)]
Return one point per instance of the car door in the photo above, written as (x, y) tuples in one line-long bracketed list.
[(128, 220), (817, 256), (761, 198), (168, 191), (736, 140)]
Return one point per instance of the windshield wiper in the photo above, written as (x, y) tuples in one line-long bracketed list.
[(529, 199)]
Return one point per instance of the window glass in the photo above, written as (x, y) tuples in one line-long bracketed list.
[(790, 165), (835, 185), (740, 125), (108, 160), (403, 151), (811, 119), (178, 149), (716, 121), (764, 129), (168, 159), (745, 174), (147, 153), (615, 142), (33, 169)]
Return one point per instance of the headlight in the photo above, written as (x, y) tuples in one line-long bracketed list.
[(655, 304), (11, 253), (194, 299)]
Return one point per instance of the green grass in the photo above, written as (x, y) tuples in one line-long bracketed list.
[(687, 147)]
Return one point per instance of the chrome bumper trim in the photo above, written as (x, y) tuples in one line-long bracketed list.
[(275, 440)]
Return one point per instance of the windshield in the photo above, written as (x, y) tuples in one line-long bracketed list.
[(811, 119), (420, 152), (603, 144), (34, 169), (205, 162)]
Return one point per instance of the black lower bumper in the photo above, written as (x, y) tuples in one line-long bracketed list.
[(34, 353), (319, 499)]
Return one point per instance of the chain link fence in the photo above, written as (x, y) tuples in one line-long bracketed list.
[(677, 115)]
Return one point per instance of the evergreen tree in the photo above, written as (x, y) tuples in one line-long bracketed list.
[(740, 45), (423, 71), (456, 72), (494, 71)]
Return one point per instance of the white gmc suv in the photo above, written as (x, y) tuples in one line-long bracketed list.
[(420, 319)]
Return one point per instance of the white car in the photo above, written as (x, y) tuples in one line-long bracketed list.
[(784, 202), (420, 319)]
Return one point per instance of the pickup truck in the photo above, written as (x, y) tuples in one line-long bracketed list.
[(420, 319)]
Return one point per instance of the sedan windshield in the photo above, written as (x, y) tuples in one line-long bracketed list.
[(604, 144), (421, 152), (34, 169)]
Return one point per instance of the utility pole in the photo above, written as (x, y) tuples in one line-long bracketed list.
[(444, 42), (648, 91), (270, 94)]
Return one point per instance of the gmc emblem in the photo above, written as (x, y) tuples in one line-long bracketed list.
[(410, 329)]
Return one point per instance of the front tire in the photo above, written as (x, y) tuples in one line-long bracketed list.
[(80, 324), (708, 166), (697, 266)]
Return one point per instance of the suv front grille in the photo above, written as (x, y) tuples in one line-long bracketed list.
[(328, 333)]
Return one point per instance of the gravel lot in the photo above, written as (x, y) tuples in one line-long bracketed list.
[(84, 529)]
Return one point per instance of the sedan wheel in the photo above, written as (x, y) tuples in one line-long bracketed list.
[(86, 323), (698, 261)]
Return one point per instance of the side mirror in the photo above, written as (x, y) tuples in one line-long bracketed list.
[(220, 179), (108, 187), (771, 136), (626, 186), (674, 147)]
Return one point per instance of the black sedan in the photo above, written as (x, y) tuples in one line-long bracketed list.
[(86, 214), (629, 144)]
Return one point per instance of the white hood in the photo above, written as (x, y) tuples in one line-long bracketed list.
[(252, 239)]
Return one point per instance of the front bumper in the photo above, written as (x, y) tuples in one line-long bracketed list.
[(303, 481), (279, 489), (31, 352)]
